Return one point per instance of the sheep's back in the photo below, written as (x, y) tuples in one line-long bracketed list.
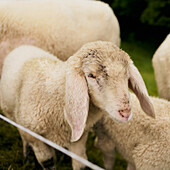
[(59, 26), (161, 64)]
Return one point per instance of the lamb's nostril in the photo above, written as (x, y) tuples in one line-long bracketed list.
[(120, 111), (124, 113)]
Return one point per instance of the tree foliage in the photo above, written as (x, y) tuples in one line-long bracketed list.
[(152, 12), (157, 13), (142, 17)]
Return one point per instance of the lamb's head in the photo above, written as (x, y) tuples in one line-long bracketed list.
[(102, 72)]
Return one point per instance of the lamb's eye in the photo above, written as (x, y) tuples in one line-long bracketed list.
[(91, 76)]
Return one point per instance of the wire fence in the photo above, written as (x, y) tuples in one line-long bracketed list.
[(52, 144)]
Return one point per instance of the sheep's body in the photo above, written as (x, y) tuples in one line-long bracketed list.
[(161, 64), (60, 27), (36, 86), (143, 142), (51, 97), (45, 68)]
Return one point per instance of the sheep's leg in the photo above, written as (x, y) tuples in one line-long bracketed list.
[(44, 154), (130, 167), (24, 142), (28, 152), (106, 145), (79, 148)]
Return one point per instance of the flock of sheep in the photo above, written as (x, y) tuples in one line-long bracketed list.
[(85, 87)]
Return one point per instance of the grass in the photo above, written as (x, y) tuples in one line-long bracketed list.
[(141, 54), (11, 157)]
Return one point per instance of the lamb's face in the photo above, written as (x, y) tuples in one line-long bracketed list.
[(101, 71), (107, 79)]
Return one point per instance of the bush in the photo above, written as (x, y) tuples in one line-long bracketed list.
[(143, 19)]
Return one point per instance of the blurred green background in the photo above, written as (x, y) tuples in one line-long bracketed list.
[(144, 25), (143, 19)]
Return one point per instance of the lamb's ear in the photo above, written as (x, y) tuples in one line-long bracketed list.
[(137, 85), (77, 102)]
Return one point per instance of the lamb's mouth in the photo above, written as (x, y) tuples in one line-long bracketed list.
[(119, 117)]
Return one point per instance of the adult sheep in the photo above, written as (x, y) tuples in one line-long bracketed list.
[(161, 65), (143, 142), (60, 27), (53, 98)]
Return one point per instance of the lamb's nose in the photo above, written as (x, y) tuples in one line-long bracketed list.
[(125, 113)]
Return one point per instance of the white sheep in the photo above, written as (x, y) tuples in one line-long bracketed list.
[(161, 64), (142, 141), (52, 97), (60, 27)]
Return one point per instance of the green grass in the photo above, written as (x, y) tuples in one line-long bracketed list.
[(141, 54), (11, 156)]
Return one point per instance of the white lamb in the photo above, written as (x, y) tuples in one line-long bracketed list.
[(142, 141), (161, 64), (58, 26), (53, 98)]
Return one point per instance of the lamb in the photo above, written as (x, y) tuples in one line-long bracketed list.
[(143, 142), (61, 100), (161, 64), (59, 27)]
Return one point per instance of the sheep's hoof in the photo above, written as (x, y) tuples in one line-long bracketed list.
[(49, 164)]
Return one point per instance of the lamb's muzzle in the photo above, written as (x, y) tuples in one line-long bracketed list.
[(125, 113)]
